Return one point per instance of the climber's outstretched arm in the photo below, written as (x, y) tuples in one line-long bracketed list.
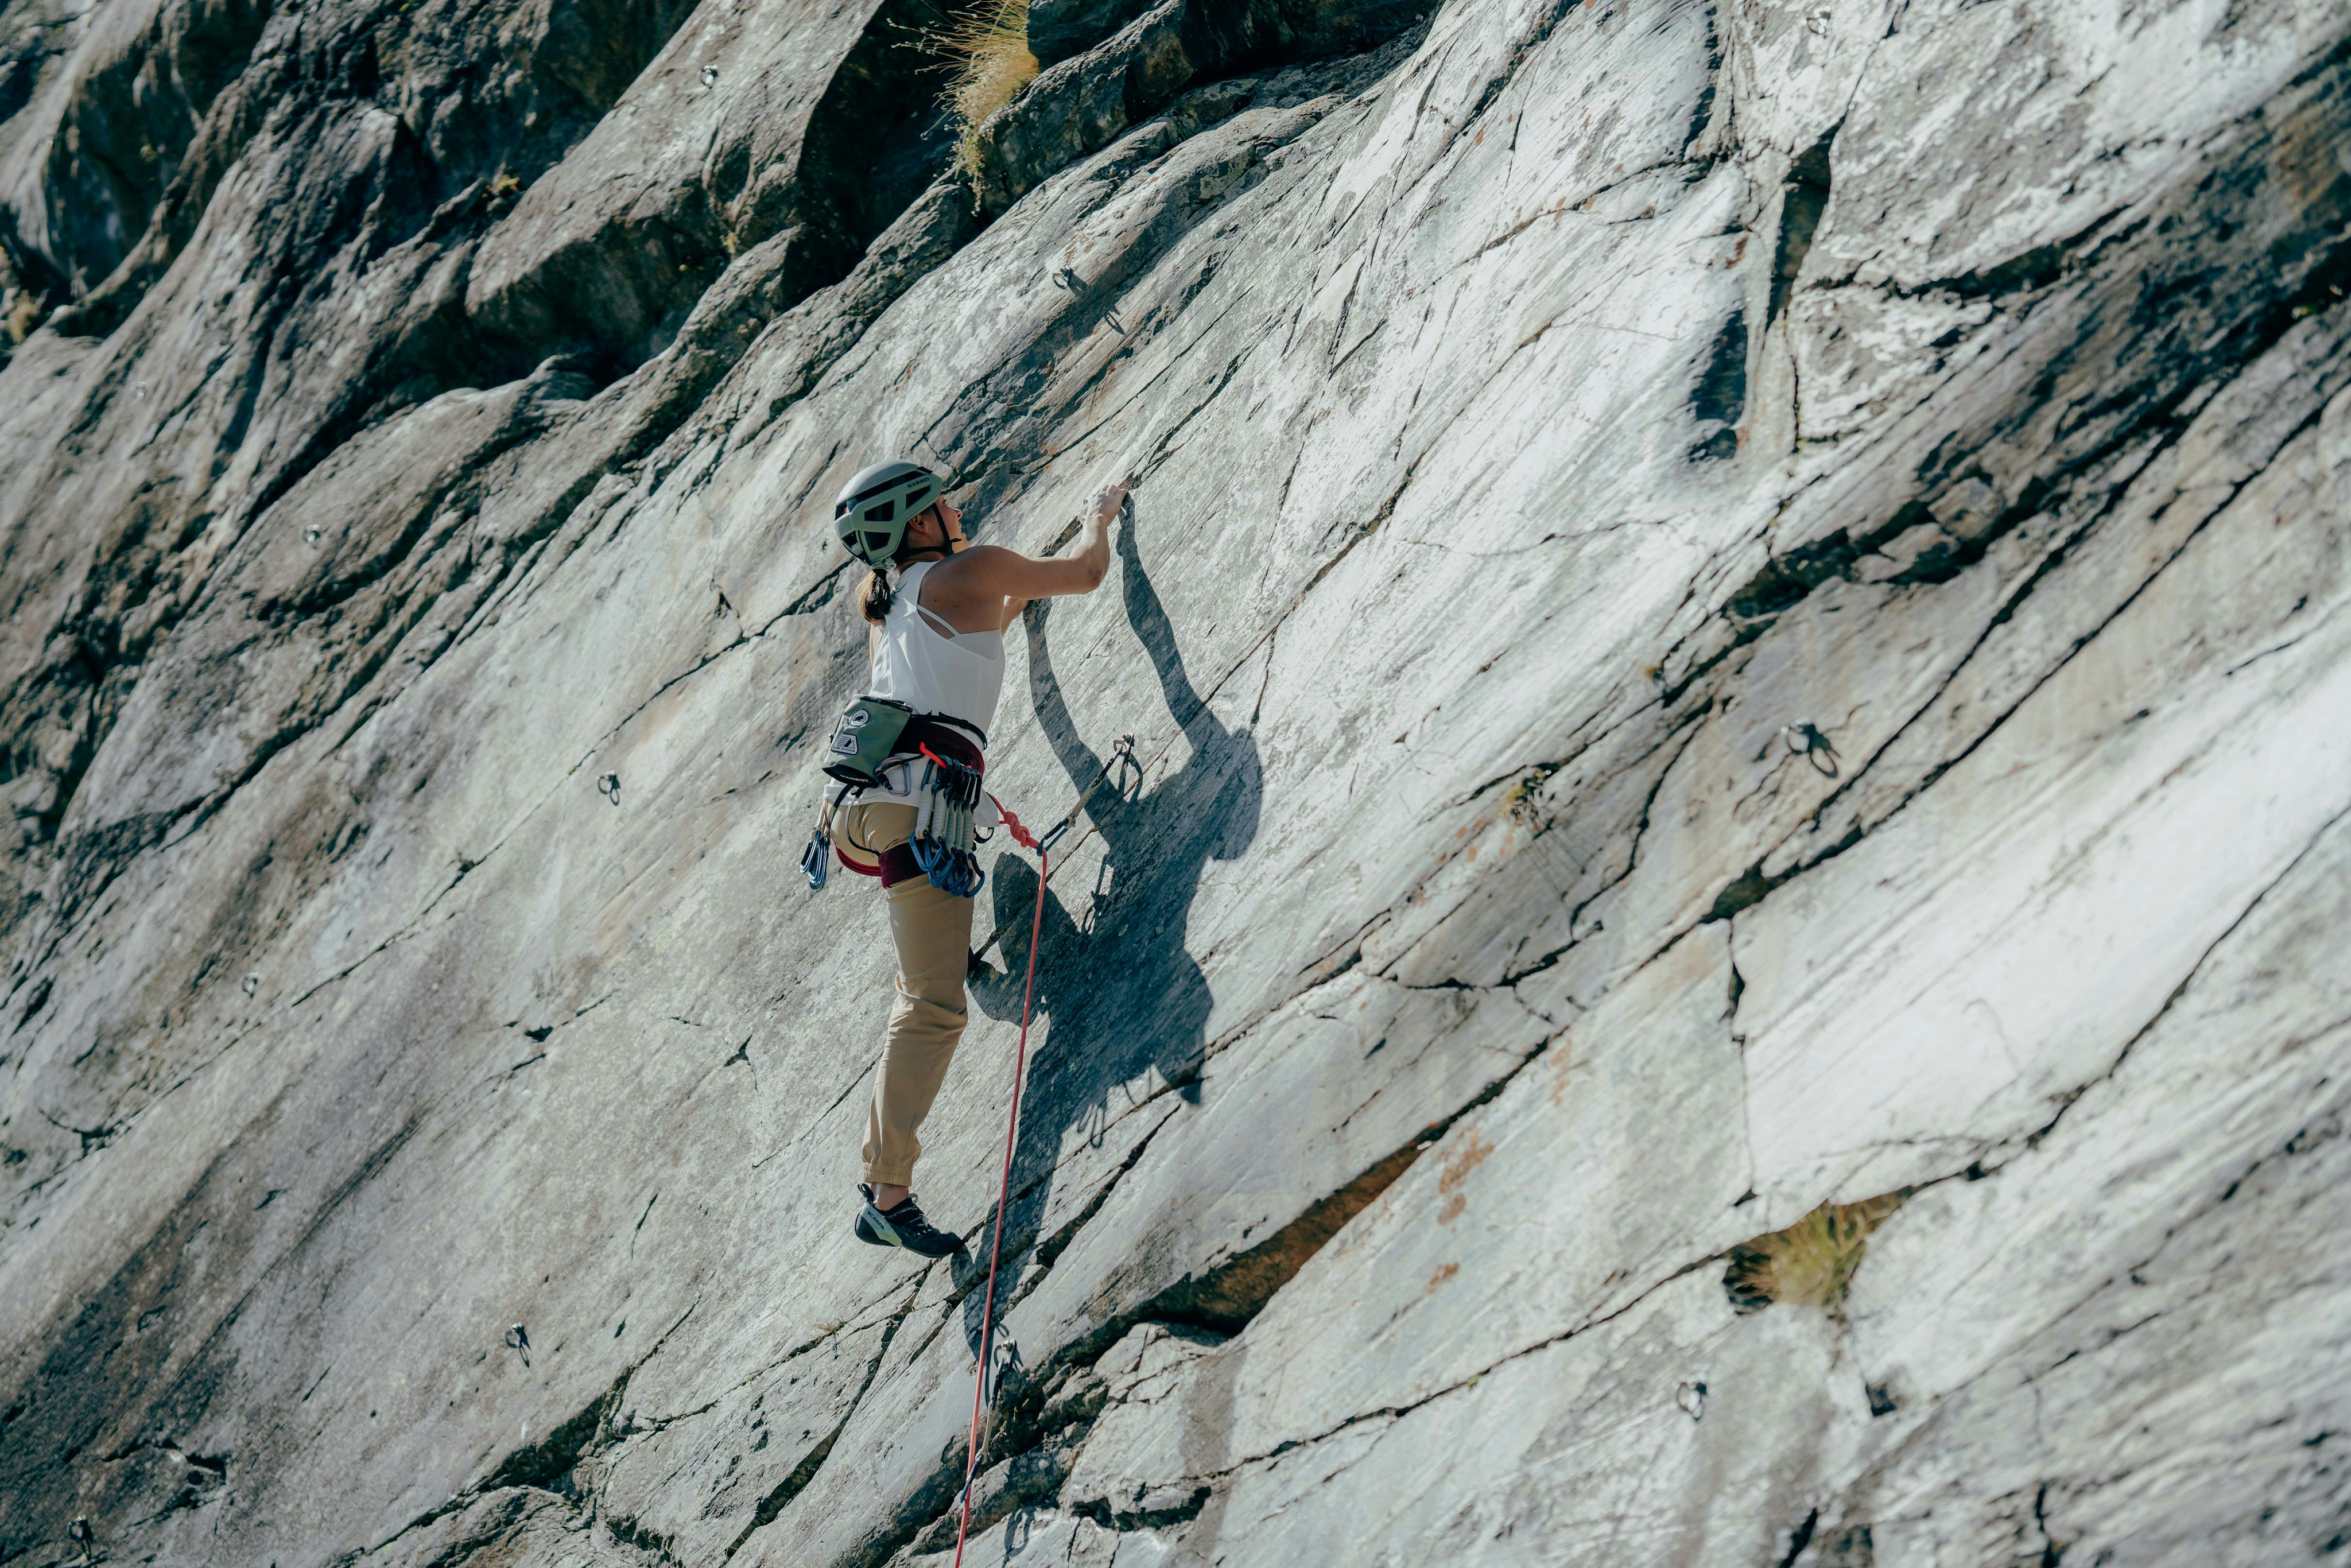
[(987, 585)]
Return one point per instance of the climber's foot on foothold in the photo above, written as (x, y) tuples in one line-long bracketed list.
[(904, 1226)]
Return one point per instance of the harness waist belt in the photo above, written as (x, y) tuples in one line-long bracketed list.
[(950, 737)]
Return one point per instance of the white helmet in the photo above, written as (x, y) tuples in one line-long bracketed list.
[(872, 515)]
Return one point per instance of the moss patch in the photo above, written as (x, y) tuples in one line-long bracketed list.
[(1812, 1260)]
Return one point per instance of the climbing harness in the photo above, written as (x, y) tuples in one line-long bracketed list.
[(945, 846), (1121, 753), (943, 843), (875, 735)]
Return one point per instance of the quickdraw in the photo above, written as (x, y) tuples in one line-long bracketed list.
[(945, 844), (816, 860)]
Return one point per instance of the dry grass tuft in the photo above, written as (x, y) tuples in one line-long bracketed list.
[(25, 314), (987, 56), (1812, 1260), (22, 308)]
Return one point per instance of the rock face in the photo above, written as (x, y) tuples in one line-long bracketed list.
[(1716, 931)]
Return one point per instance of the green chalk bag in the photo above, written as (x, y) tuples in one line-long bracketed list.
[(864, 739)]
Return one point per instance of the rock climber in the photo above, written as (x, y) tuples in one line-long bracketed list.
[(936, 642)]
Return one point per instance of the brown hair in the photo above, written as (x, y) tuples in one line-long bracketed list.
[(874, 600)]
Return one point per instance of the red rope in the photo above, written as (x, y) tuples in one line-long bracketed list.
[(1004, 1189)]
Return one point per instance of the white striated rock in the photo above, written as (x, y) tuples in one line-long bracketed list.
[(1727, 610)]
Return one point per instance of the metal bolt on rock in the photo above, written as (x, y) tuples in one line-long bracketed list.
[(1804, 739)]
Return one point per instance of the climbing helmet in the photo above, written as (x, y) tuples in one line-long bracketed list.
[(874, 508)]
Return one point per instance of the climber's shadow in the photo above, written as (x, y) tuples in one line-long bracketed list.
[(1127, 1006)]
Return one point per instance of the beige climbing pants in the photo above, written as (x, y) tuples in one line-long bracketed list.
[(931, 931)]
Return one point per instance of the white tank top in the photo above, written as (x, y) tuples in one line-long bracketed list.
[(931, 667)]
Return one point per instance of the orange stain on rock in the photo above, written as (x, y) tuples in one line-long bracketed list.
[(1441, 1278), (1463, 1160), (1563, 1063), (1457, 1166)]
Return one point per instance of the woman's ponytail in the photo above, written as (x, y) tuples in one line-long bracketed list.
[(874, 603)]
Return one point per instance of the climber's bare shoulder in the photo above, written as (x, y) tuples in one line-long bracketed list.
[(981, 588)]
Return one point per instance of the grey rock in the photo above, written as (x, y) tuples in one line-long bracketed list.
[(1719, 942), (613, 246), (1080, 105)]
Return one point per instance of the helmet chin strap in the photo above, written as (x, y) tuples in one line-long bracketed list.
[(950, 542)]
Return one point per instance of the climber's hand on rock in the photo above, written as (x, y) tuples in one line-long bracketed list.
[(1107, 501)]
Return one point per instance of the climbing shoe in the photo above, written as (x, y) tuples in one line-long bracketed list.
[(903, 1226)]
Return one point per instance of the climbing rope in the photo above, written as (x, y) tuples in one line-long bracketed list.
[(1122, 752), (1122, 757), (1021, 836)]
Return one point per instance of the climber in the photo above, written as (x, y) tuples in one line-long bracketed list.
[(936, 642)]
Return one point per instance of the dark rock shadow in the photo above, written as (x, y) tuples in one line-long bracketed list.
[(1122, 997)]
